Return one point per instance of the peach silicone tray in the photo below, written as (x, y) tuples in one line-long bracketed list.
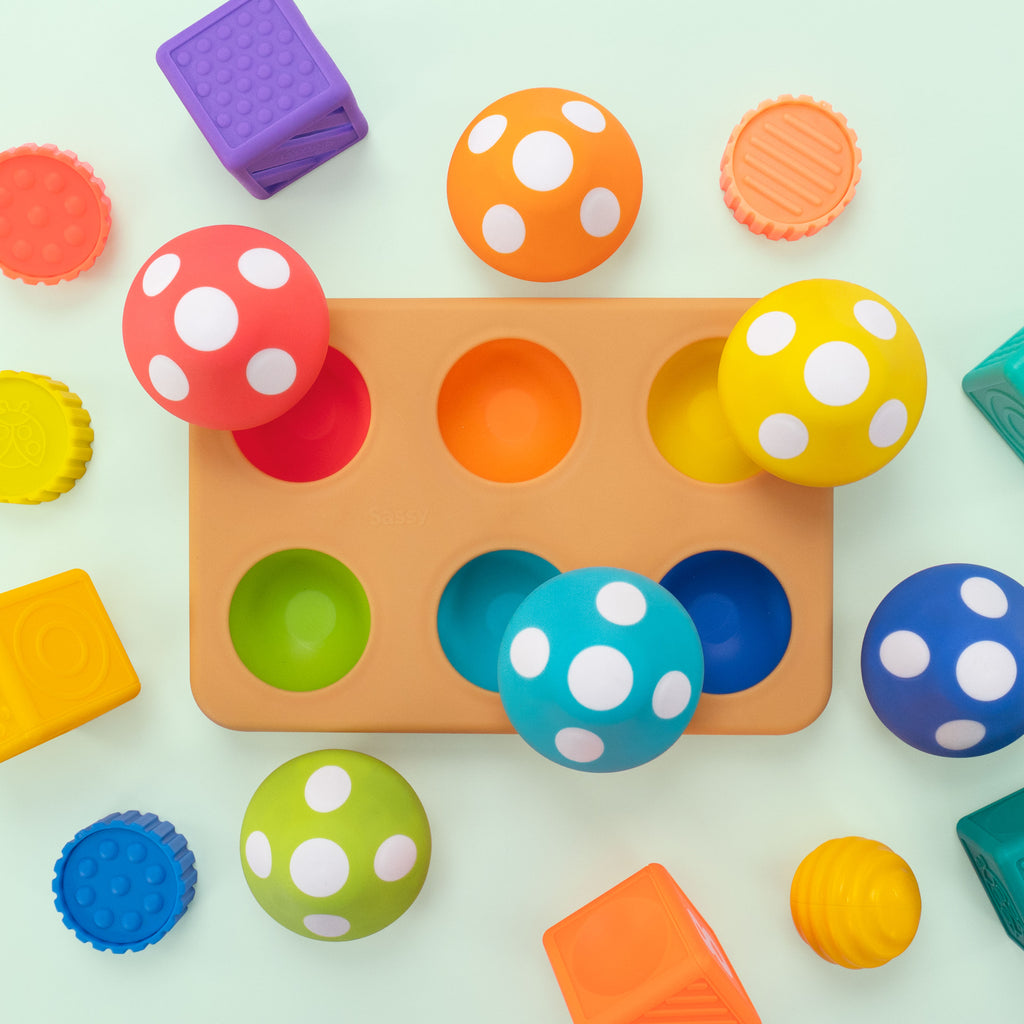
[(478, 438)]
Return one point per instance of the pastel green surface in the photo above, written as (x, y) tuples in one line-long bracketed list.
[(335, 845), (519, 843)]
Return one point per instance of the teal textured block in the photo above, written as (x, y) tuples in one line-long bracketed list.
[(996, 387), (993, 838)]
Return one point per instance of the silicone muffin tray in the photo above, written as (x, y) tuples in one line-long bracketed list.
[(345, 559)]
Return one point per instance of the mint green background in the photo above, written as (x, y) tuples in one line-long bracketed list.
[(935, 228)]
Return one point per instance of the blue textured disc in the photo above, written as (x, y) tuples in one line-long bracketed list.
[(123, 882)]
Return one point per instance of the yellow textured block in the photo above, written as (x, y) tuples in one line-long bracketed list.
[(61, 663)]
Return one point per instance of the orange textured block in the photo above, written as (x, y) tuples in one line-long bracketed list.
[(640, 954), (61, 663)]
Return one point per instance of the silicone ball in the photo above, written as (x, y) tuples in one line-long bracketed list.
[(544, 184), (855, 902), (226, 327), (941, 660), (600, 669), (822, 382), (335, 845)]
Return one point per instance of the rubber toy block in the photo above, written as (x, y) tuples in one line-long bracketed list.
[(61, 663), (124, 882), (993, 838), (264, 92), (45, 438), (641, 953), (996, 387)]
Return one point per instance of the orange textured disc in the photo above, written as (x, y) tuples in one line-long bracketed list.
[(790, 167), (544, 184), (54, 214)]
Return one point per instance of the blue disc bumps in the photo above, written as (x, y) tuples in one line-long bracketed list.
[(122, 883)]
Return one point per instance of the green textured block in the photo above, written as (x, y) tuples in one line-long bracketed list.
[(993, 838), (996, 387)]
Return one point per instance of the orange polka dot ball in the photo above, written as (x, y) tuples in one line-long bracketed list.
[(544, 184)]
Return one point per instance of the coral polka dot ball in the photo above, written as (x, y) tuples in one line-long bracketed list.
[(941, 660), (335, 845), (226, 327), (600, 669), (822, 382), (544, 184)]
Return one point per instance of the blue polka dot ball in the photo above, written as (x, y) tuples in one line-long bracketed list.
[(940, 660), (600, 669)]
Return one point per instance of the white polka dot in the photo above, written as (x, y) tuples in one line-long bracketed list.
[(168, 378), (579, 745), (529, 652), (600, 677), (395, 858), (961, 734), (271, 371), (599, 212), (984, 596), (327, 926), (319, 867), (486, 133), (770, 333), (584, 115), (258, 855), (206, 319), (904, 654), (621, 603), (542, 161), (160, 273), (782, 436), (327, 788), (986, 670), (875, 319), (504, 228), (888, 424), (264, 268), (837, 373), (672, 694)]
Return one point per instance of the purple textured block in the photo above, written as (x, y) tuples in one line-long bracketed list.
[(264, 92)]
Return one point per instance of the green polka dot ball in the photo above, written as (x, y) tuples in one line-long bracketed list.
[(335, 845)]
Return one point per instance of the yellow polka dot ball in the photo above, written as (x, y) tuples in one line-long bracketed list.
[(822, 382)]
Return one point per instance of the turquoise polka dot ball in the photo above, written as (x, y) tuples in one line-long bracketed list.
[(335, 845), (600, 669)]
